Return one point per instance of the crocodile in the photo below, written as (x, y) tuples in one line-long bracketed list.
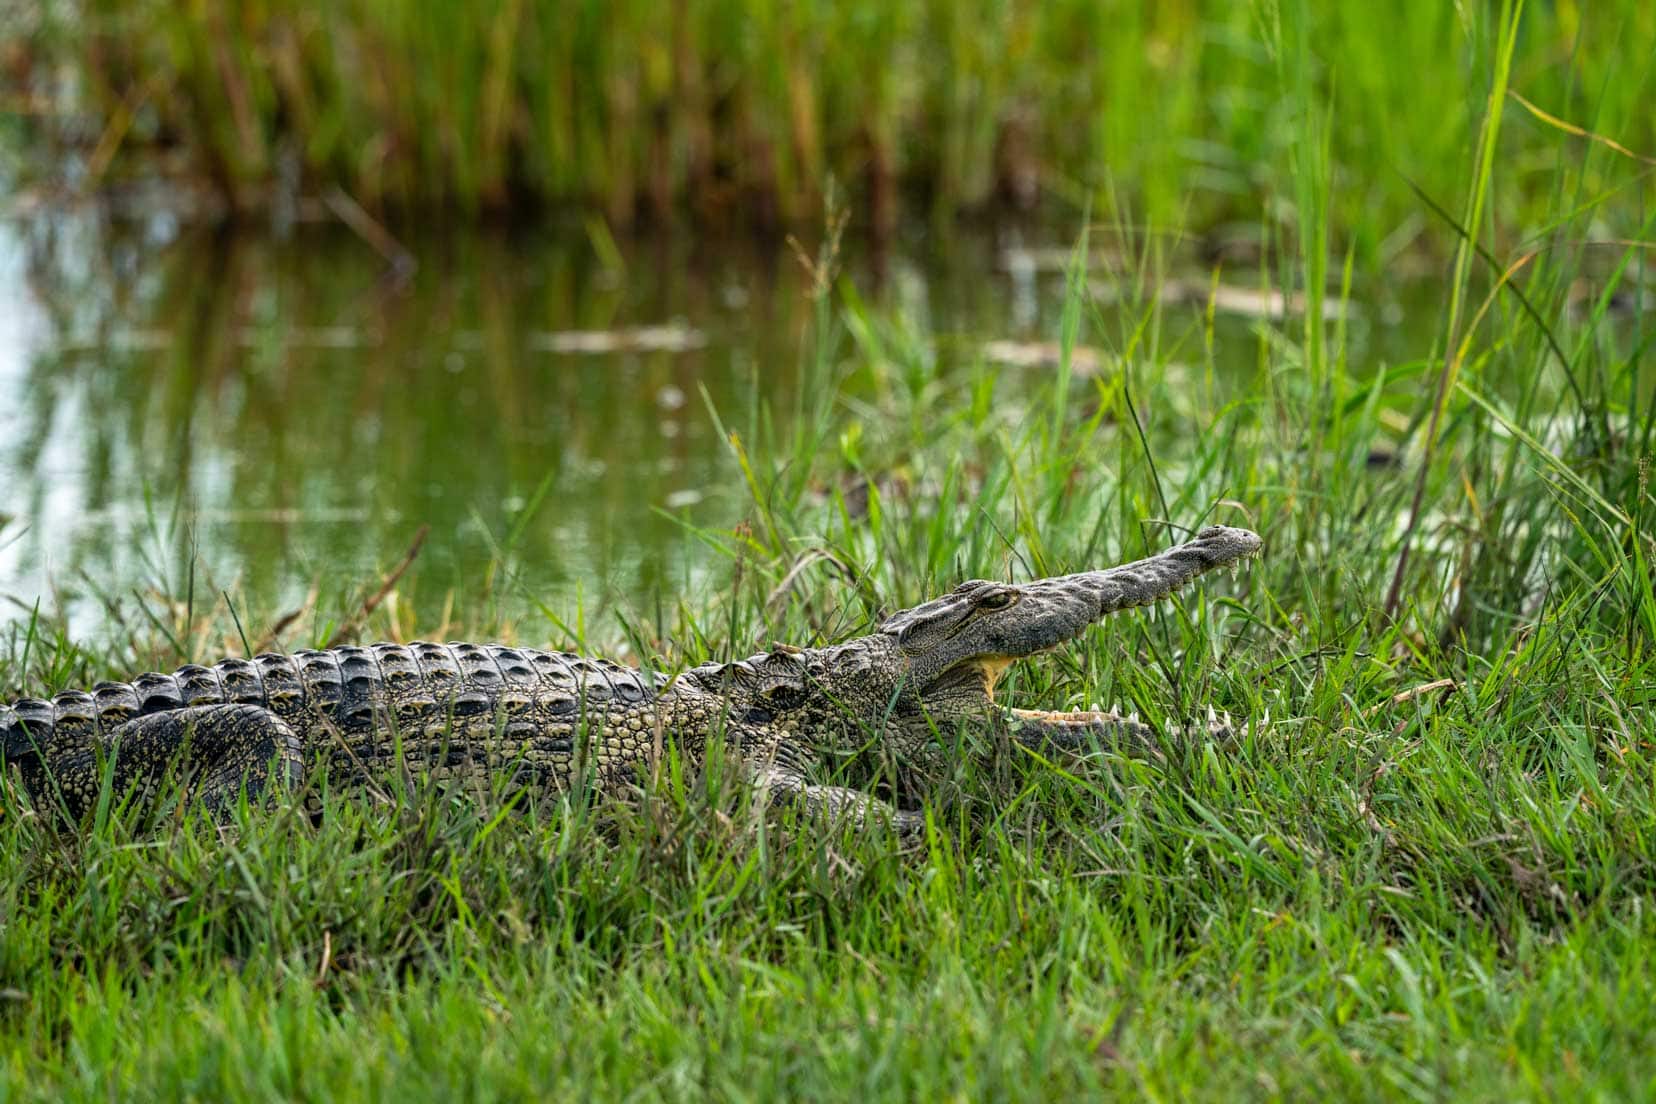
[(487, 714)]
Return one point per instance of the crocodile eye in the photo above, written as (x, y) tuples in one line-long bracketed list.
[(995, 599)]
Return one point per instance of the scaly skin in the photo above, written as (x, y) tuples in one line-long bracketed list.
[(471, 713)]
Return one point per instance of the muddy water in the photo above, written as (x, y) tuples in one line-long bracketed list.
[(279, 415)]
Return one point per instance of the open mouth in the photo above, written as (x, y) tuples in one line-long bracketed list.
[(991, 668), (985, 671), (979, 673), (1062, 607), (969, 677)]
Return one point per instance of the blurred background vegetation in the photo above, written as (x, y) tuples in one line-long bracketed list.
[(461, 194), (1177, 114)]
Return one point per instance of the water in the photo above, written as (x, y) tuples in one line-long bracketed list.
[(277, 417)]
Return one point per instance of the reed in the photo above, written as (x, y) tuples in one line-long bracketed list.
[(742, 110)]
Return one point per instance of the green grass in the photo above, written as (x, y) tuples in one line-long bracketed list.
[(1367, 897), (1431, 872)]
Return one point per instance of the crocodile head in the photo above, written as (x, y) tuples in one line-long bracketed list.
[(951, 651), (935, 666)]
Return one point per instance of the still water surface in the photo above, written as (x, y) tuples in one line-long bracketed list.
[(278, 414)]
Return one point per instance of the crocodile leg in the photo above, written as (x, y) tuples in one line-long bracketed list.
[(1038, 728), (218, 749), (831, 803)]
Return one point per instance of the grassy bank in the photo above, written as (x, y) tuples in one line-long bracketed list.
[(1181, 115), (1430, 871)]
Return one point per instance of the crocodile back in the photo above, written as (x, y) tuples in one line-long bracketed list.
[(362, 693)]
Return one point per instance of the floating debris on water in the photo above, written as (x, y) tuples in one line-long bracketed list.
[(308, 337), (134, 340), (1052, 258), (1043, 354), (689, 496), (274, 515), (155, 340), (670, 338), (1247, 302)]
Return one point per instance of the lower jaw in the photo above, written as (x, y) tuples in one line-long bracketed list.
[(1081, 717), (1037, 728)]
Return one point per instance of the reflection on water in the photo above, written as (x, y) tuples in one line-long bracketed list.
[(283, 414), (294, 415)]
